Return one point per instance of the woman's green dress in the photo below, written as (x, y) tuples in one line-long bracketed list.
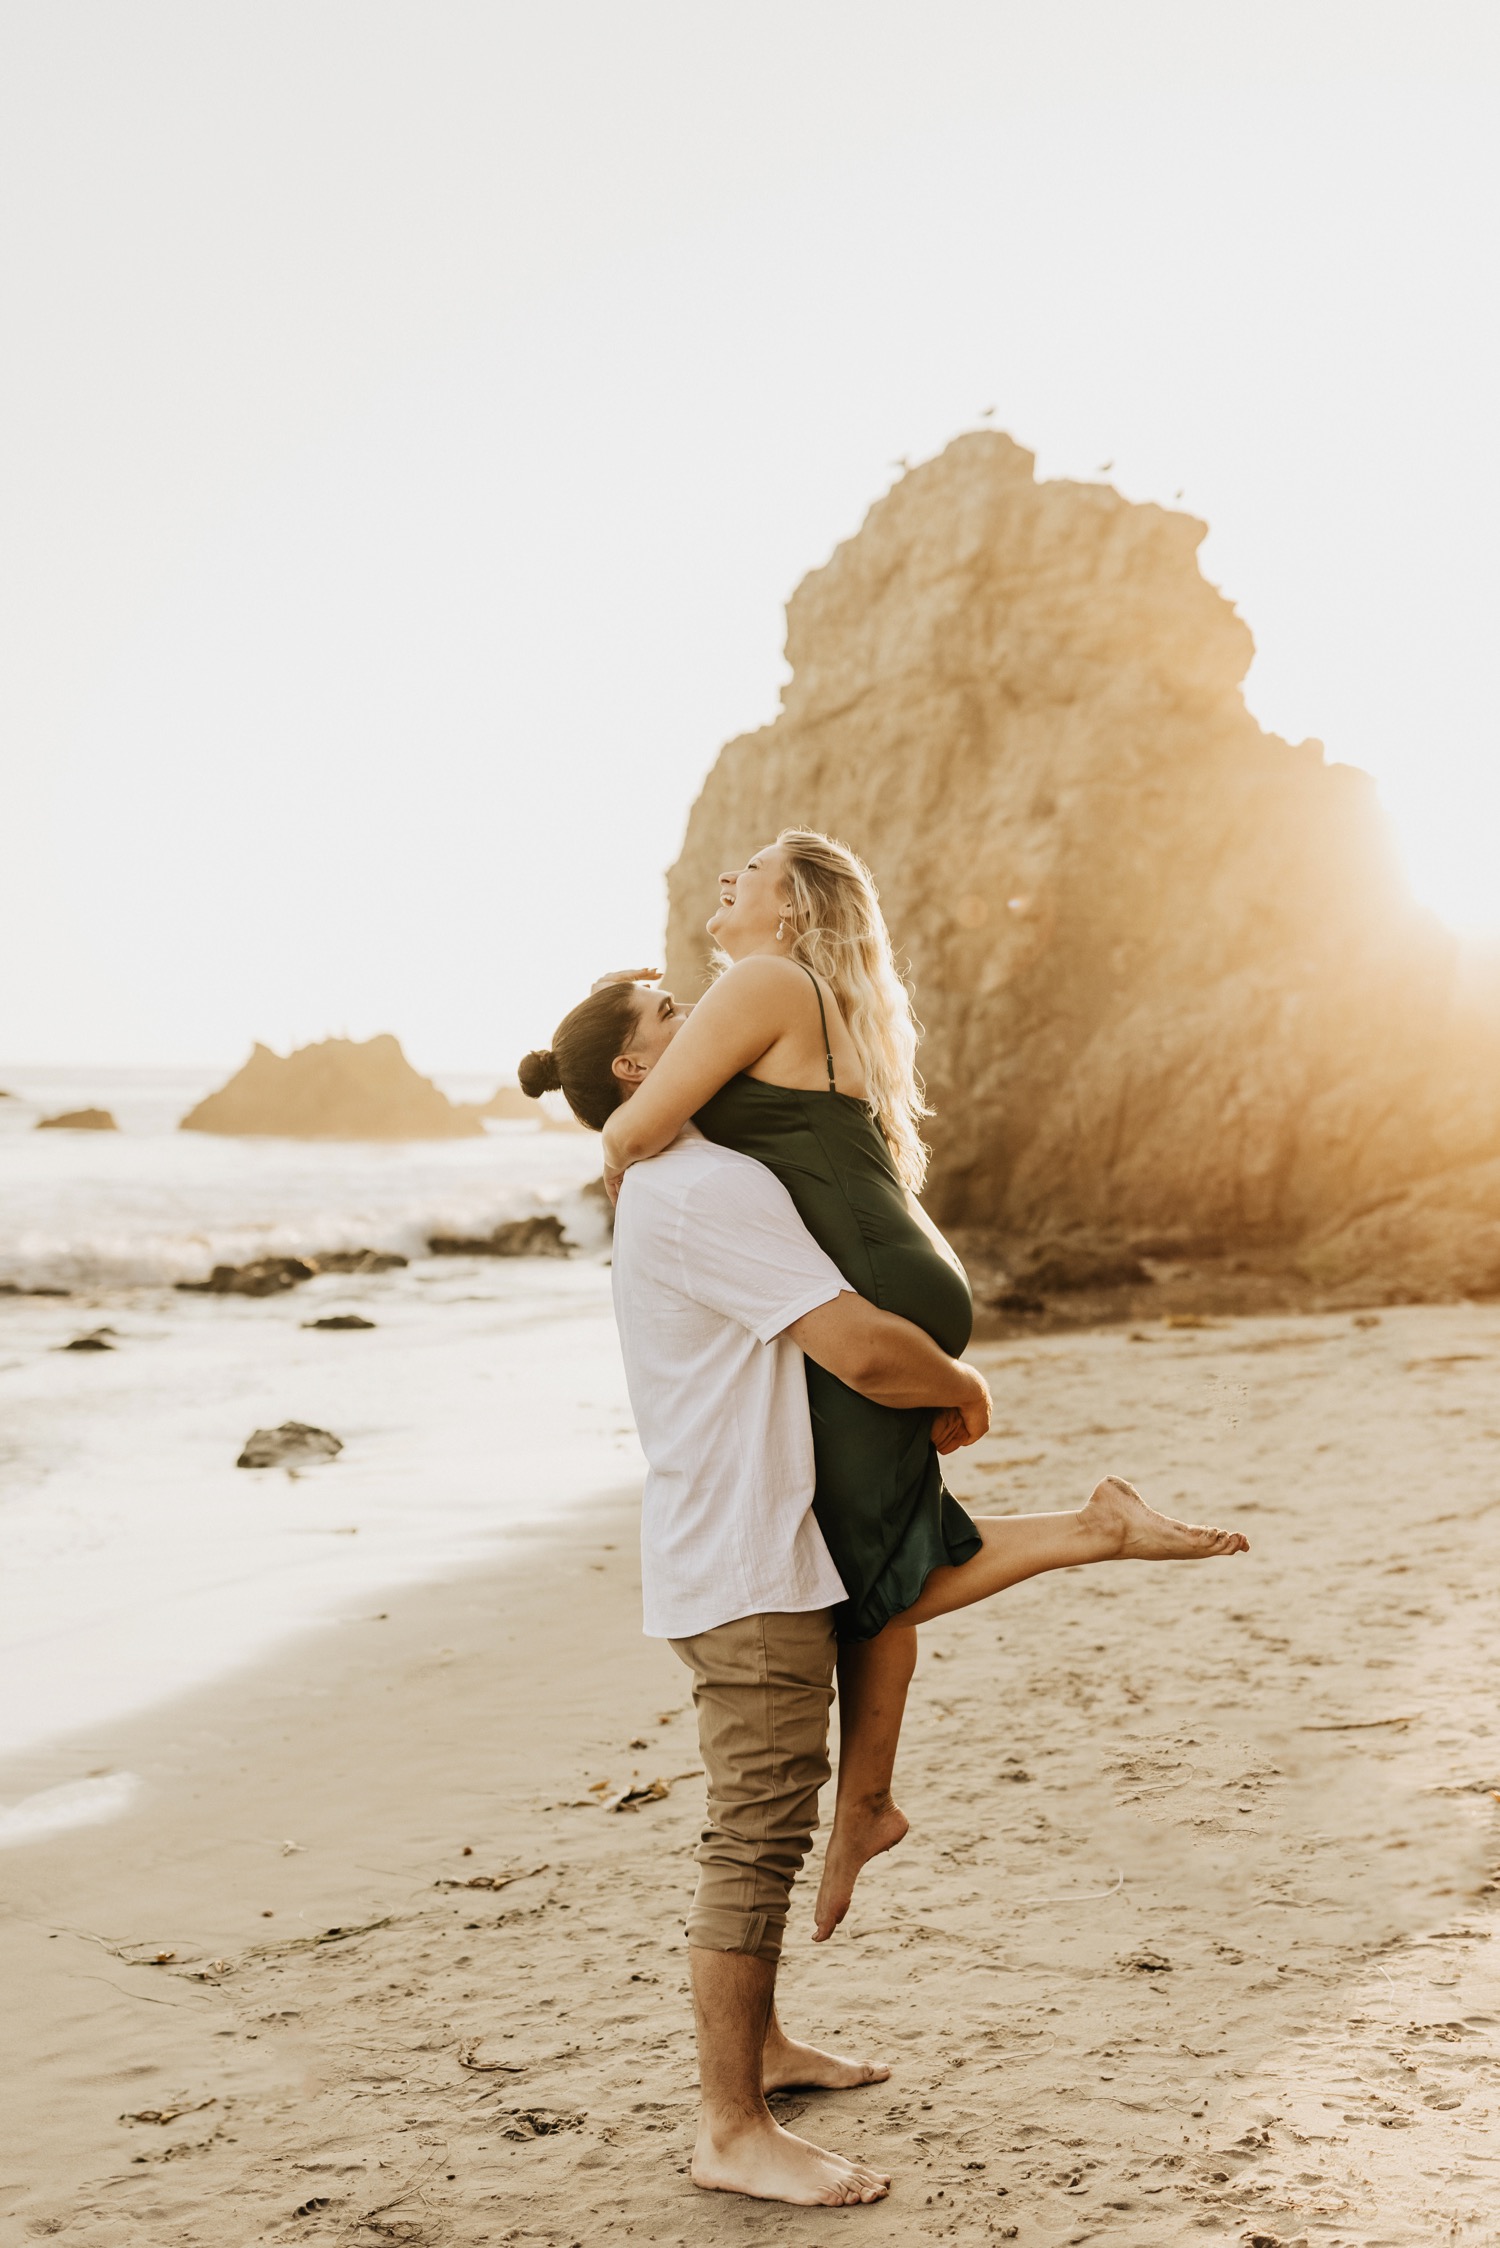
[(880, 1502)]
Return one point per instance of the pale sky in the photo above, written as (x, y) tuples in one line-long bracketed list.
[(414, 416)]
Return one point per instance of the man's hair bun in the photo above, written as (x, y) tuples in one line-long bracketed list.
[(539, 1073)]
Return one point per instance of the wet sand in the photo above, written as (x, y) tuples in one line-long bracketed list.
[(1192, 1938), (139, 1562)]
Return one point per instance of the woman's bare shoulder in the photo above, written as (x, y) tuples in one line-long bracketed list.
[(761, 979), (766, 967)]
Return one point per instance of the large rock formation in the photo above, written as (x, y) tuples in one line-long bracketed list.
[(1173, 982), (340, 1089)]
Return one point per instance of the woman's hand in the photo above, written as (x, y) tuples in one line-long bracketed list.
[(612, 1183), (625, 975)]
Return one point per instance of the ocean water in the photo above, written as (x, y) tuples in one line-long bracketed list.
[(148, 1205), (484, 1404)]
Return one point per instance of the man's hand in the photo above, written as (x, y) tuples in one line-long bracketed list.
[(958, 1425)]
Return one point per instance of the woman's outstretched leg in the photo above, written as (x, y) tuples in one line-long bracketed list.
[(1115, 1525), (873, 1677)]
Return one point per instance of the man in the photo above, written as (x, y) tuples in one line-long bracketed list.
[(719, 1291)]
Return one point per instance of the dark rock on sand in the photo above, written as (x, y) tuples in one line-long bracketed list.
[(18, 1288), (340, 1323), (294, 1444), (269, 1276), (519, 1237), (1016, 1300), (100, 1339), (358, 1260), (340, 1089), (266, 1276), (79, 1120)]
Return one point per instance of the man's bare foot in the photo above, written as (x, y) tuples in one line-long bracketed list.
[(769, 2164), (786, 2062), (1118, 1522), (860, 1832)]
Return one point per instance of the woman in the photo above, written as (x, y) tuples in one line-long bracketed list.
[(803, 1055)]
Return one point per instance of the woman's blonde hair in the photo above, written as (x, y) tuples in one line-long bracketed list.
[(840, 933)]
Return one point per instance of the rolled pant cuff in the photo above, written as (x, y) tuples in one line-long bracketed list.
[(758, 1935)]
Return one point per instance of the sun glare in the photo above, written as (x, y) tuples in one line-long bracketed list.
[(1451, 853)]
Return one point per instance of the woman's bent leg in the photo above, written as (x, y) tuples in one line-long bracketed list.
[(873, 1677), (1115, 1525)]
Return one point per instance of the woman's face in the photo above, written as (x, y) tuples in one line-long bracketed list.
[(751, 903)]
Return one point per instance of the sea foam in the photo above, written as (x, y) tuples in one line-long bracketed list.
[(148, 1205), (78, 1803)]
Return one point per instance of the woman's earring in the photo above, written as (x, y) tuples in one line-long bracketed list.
[(780, 930)]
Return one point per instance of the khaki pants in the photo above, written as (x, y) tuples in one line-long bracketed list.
[(763, 1687)]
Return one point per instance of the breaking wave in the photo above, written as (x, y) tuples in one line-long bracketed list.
[(149, 1207)]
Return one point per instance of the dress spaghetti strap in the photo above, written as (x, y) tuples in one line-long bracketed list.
[(823, 1019)]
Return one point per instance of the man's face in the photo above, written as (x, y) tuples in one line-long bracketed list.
[(658, 1019)]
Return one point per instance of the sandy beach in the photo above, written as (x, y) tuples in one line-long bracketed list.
[(1192, 1938)]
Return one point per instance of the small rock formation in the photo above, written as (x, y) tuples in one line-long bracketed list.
[(358, 1260), (265, 1276), (78, 1120), (518, 1237), (340, 1089), (294, 1444), (1173, 982), (102, 1338), (340, 1323), (509, 1105), (270, 1276)]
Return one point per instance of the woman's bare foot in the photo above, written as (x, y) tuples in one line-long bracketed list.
[(1121, 1527), (769, 2164), (786, 2062), (861, 1830)]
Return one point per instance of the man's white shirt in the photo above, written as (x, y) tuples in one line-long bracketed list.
[(711, 1265)]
